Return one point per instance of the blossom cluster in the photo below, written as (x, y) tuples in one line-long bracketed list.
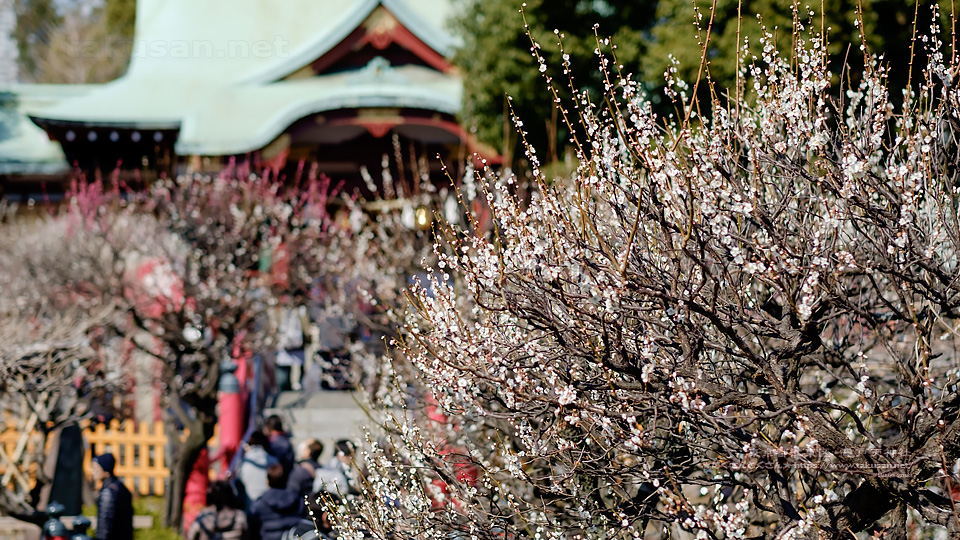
[(776, 277)]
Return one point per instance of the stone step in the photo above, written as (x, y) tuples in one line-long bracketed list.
[(326, 416)]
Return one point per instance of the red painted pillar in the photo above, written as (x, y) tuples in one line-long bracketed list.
[(240, 356), (230, 416), (195, 497)]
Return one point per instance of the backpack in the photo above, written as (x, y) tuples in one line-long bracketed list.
[(305, 530), (215, 534)]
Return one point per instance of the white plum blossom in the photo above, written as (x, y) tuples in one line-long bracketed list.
[(735, 324)]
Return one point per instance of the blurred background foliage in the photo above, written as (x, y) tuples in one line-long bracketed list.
[(497, 62), (73, 41), (89, 41)]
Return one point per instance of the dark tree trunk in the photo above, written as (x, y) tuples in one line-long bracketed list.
[(184, 457), (194, 409)]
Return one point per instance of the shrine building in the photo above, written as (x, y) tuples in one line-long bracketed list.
[(270, 84)]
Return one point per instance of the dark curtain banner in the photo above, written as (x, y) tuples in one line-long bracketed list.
[(67, 488)]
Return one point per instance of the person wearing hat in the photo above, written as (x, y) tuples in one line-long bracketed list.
[(114, 503)]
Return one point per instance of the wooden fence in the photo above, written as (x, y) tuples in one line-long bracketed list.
[(140, 451), (15, 444)]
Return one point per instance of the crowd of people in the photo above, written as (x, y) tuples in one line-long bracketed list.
[(277, 492)]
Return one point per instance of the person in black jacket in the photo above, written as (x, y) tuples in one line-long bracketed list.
[(305, 469), (114, 503), (280, 446), (277, 510)]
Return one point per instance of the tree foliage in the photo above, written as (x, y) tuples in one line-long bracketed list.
[(882, 26), (741, 326), (652, 37), (195, 286), (745, 21), (187, 271), (121, 17), (57, 349), (497, 62), (72, 42), (35, 21)]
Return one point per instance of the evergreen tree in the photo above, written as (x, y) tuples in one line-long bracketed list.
[(888, 25), (497, 60), (64, 42), (121, 16), (680, 29), (649, 37), (35, 21)]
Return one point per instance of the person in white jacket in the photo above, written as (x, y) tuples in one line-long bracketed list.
[(252, 472)]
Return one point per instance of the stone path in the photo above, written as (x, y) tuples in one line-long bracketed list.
[(326, 415)]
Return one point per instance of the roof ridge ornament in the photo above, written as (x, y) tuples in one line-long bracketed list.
[(378, 71)]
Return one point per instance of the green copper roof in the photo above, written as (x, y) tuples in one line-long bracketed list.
[(214, 68), (25, 148)]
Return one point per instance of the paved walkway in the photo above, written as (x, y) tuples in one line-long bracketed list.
[(326, 415), (14, 529)]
